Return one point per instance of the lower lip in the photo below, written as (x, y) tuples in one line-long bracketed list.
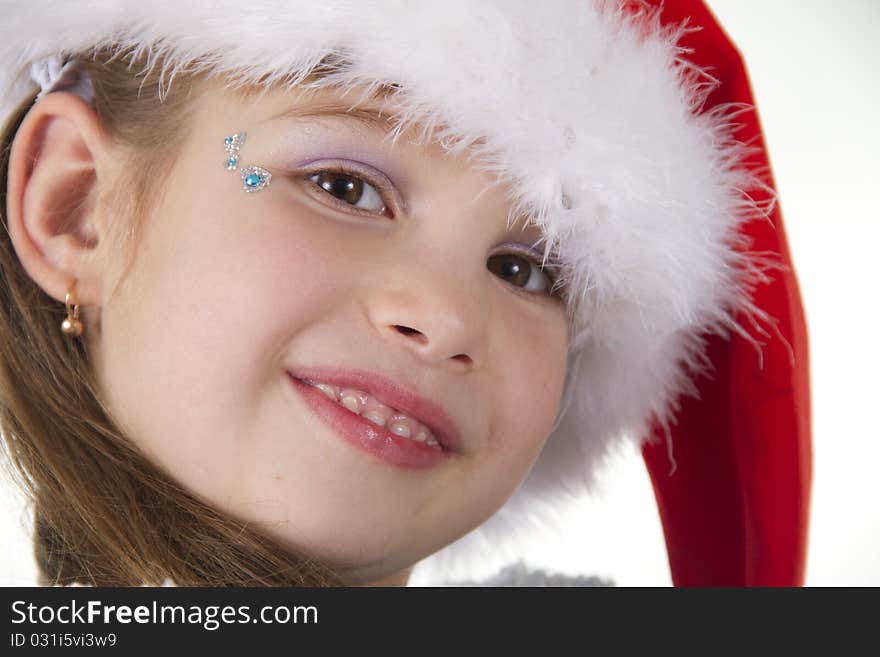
[(371, 438)]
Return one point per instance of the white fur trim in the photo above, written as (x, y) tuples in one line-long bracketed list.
[(572, 99)]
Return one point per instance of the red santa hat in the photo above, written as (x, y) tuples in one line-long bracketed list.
[(736, 510), (627, 130)]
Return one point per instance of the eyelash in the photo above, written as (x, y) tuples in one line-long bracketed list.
[(385, 191)]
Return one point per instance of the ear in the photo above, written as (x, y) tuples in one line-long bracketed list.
[(58, 161)]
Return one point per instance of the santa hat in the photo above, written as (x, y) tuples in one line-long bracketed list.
[(627, 131)]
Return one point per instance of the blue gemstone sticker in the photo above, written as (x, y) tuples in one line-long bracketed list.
[(255, 178)]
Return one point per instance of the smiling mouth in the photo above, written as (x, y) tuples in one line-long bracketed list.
[(377, 441), (386, 404), (370, 408)]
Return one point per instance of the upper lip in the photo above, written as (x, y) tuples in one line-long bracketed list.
[(393, 394)]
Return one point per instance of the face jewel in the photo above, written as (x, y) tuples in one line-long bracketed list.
[(234, 142), (232, 145), (255, 178)]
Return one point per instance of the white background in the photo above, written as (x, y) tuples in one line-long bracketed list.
[(813, 66)]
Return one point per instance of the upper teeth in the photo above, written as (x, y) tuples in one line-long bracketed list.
[(368, 407)]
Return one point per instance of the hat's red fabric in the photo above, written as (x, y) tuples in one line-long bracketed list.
[(735, 510)]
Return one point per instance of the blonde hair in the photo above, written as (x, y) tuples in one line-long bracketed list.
[(103, 514)]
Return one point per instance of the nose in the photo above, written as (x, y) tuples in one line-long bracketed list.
[(437, 314)]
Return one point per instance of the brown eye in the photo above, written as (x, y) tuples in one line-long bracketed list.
[(345, 188), (350, 189), (519, 271)]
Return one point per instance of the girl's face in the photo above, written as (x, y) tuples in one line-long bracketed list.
[(360, 259)]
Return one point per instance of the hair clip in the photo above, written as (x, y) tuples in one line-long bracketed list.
[(253, 178)]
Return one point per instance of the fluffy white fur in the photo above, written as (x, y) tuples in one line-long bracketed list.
[(590, 115)]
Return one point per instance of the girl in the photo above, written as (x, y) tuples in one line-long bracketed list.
[(303, 297)]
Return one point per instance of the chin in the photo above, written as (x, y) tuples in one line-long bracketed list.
[(358, 557)]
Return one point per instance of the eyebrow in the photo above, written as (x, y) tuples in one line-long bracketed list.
[(368, 118), (522, 225)]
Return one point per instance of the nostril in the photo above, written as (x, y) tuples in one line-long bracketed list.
[(406, 330)]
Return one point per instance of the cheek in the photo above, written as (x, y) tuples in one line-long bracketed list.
[(528, 395), (536, 348), (199, 329)]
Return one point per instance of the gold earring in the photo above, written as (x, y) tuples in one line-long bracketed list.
[(71, 324)]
